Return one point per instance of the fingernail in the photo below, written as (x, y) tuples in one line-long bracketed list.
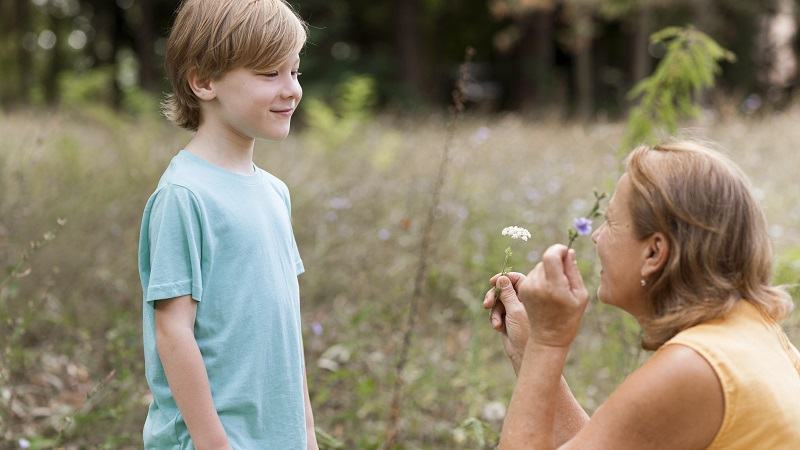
[(503, 282)]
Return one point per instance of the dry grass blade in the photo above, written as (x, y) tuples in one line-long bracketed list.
[(457, 109)]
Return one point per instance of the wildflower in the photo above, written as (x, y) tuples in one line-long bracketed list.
[(514, 232), (517, 233), (24, 443), (493, 412), (316, 328), (583, 226), (481, 135)]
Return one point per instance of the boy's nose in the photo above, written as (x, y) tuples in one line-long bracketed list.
[(292, 89)]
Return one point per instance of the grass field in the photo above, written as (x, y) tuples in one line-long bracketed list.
[(73, 185)]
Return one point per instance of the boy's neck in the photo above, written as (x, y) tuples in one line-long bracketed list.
[(224, 146)]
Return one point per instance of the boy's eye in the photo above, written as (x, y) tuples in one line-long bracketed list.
[(270, 74)]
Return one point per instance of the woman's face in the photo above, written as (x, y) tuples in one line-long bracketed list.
[(621, 255)]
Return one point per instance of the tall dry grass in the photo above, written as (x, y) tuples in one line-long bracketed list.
[(71, 325)]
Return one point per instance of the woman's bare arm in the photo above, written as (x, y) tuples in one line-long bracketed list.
[(674, 401), (508, 317)]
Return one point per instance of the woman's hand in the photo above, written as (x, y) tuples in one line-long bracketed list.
[(554, 297), (508, 316)]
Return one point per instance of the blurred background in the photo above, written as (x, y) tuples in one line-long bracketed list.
[(548, 116), (575, 57)]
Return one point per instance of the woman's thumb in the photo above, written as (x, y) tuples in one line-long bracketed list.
[(507, 293)]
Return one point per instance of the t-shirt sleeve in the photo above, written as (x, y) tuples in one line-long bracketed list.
[(298, 262), (175, 245)]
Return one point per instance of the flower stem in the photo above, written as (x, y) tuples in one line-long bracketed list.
[(502, 272)]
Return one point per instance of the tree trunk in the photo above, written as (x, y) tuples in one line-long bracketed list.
[(778, 61), (22, 23), (705, 16), (55, 63), (407, 43), (145, 40), (641, 43), (534, 60), (582, 66), (117, 34)]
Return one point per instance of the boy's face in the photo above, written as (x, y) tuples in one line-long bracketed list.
[(259, 104)]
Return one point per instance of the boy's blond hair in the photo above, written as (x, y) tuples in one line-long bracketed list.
[(212, 37)]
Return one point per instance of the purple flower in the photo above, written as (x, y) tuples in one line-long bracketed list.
[(316, 328), (583, 226)]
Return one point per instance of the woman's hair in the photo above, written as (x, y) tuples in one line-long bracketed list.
[(719, 249), (212, 37)]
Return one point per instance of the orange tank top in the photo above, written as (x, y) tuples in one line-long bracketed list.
[(759, 370)]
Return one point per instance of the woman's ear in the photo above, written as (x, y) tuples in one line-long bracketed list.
[(202, 88), (656, 254)]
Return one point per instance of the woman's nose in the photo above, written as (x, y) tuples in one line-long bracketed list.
[(596, 232)]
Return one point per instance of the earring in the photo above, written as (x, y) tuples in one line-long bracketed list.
[(644, 282)]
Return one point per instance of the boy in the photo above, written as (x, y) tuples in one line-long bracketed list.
[(217, 258)]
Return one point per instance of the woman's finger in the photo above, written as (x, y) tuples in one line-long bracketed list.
[(553, 260), (497, 316), (574, 275), (489, 299)]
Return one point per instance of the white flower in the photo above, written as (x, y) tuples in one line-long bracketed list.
[(517, 233), (24, 443), (493, 412)]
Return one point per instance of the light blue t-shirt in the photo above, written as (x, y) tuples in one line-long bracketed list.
[(226, 239)]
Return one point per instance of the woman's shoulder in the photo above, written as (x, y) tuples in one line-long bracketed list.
[(743, 332), (753, 361)]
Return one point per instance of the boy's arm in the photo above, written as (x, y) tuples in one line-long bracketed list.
[(310, 431), (186, 373)]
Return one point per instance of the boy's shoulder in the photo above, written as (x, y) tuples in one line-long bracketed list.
[(194, 180)]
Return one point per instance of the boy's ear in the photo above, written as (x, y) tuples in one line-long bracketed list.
[(656, 254), (202, 87)]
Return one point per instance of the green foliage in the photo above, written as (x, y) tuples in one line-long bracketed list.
[(92, 89), (82, 88), (612, 9), (333, 124), (690, 65), (476, 434), (326, 441), (787, 272)]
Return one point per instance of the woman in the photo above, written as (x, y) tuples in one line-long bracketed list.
[(684, 249)]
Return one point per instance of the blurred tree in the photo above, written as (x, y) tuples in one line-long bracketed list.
[(528, 41), (580, 14), (145, 45), (407, 41), (22, 25), (638, 15), (581, 55), (776, 55)]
